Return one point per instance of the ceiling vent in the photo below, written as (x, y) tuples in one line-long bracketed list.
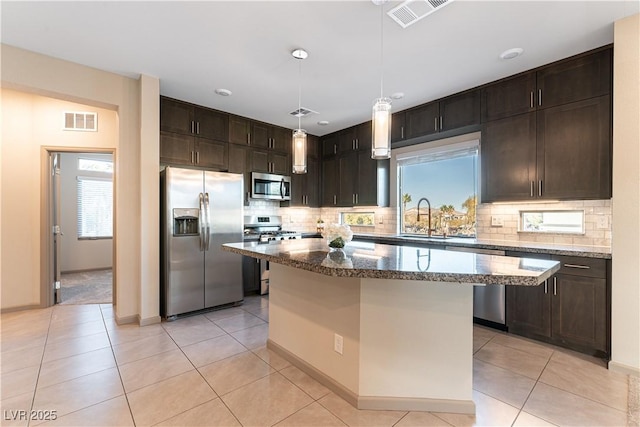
[(81, 121), (411, 11), (302, 112)]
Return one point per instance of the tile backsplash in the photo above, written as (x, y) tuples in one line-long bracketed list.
[(386, 219)]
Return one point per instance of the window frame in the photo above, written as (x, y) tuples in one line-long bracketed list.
[(80, 211)]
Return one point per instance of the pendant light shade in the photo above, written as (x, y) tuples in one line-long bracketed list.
[(381, 132), (381, 120), (299, 151), (299, 145)]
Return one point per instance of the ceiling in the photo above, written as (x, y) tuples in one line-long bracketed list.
[(245, 47)]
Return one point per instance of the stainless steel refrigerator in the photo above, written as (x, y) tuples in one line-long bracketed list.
[(200, 210)]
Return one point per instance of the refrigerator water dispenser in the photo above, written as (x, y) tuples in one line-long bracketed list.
[(185, 222)]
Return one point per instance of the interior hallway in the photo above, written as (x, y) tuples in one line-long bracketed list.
[(213, 369)]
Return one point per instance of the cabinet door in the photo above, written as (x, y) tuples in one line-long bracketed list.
[(574, 150), (238, 130), (176, 116), (298, 189), (212, 124), (176, 149), (346, 140), (397, 126), (259, 161), (460, 110), (212, 154), (508, 158), (330, 182), (529, 310), (313, 147), (363, 137), (574, 80), (280, 163), (423, 120), (282, 139), (330, 145), (509, 97), (579, 312), (347, 179), (367, 192), (239, 162), (260, 135), (312, 183)]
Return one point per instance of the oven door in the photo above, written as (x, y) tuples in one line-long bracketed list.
[(269, 186)]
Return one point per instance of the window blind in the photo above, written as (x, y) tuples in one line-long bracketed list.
[(95, 208)]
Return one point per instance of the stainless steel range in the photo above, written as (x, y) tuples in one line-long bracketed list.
[(262, 229), (267, 229)]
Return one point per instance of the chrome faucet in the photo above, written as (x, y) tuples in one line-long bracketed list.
[(429, 229)]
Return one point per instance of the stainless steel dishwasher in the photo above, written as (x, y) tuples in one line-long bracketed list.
[(488, 300)]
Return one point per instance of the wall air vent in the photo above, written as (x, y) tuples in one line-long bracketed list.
[(302, 112), (411, 11), (87, 122)]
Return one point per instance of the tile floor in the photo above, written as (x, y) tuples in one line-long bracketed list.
[(214, 370)]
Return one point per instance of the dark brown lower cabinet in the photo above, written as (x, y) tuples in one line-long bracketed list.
[(304, 187), (571, 309)]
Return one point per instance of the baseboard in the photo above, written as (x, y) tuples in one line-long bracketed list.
[(21, 308), (624, 369), (149, 320), (125, 320), (374, 402), (325, 380)]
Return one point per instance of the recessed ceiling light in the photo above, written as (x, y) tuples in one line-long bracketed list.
[(397, 95), (511, 53), (300, 54), (323, 122), (223, 92)]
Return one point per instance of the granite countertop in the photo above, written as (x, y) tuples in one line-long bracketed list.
[(381, 261), (505, 245)]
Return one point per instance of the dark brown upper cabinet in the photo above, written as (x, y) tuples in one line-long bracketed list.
[(178, 149), (188, 119), (398, 126), (574, 79), (244, 131), (446, 114)]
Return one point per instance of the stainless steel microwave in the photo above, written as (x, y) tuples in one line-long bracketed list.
[(269, 186)]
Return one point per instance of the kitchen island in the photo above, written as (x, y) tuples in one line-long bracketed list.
[(385, 327)]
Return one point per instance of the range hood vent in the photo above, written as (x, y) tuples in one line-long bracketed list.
[(411, 11), (302, 112)]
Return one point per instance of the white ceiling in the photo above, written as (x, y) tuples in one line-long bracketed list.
[(244, 46)]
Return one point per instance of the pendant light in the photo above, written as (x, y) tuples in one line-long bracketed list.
[(299, 148), (381, 120)]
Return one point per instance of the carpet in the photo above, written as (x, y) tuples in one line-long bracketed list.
[(87, 287)]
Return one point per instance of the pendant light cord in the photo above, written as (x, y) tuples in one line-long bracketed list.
[(381, 50), (299, 91)]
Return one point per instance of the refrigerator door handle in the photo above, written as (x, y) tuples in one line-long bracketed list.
[(207, 221), (202, 219)]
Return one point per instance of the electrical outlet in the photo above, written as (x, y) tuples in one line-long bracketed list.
[(602, 222), (497, 221), (338, 342), (380, 219)]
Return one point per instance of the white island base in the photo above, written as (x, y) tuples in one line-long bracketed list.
[(407, 344)]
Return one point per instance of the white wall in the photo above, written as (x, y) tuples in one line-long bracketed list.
[(77, 255), (22, 148), (625, 310)]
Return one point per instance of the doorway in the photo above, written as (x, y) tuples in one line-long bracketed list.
[(82, 218)]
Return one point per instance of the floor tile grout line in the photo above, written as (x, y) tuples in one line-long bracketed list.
[(533, 388), (35, 387)]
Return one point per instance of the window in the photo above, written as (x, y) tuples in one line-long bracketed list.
[(95, 208), (570, 222), (360, 219), (95, 165), (447, 176)]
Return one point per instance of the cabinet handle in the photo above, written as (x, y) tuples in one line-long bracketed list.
[(197, 157), (356, 198), (539, 96), (401, 132), (531, 100), (248, 139), (353, 199), (546, 289), (335, 201), (555, 284), (335, 149), (586, 267), (435, 124), (192, 127), (357, 144), (192, 160), (531, 189), (440, 122), (197, 128), (540, 188)]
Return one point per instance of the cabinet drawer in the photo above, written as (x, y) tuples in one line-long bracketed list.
[(579, 266)]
